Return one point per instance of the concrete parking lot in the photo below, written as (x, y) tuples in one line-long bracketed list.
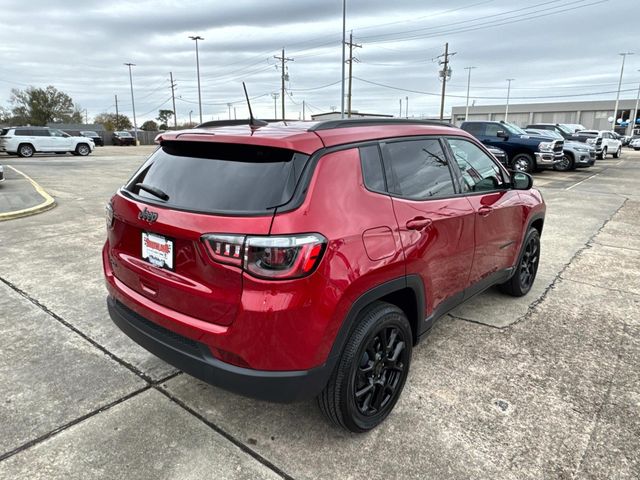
[(542, 387)]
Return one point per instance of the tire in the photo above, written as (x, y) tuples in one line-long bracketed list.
[(565, 164), (603, 155), (356, 396), (523, 162), (618, 153), (26, 150), (527, 267), (83, 149)]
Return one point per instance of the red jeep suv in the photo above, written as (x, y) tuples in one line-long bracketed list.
[(300, 260)]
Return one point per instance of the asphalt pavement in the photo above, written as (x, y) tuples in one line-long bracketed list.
[(542, 387)]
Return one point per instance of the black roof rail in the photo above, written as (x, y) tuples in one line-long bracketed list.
[(366, 122)]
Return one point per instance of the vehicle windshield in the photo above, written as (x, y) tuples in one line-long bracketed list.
[(124, 134), (545, 133), (513, 129), (565, 129), (89, 134)]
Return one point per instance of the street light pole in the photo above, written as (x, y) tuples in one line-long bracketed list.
[(344, 39), (632, 119), (506, 111), (133, 104), (190, 123), (196, 38), (615, 111), (466, 112), (275, 96)]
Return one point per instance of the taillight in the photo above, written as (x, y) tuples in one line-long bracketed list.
[(225, 248), (108, 211), (281, 257)]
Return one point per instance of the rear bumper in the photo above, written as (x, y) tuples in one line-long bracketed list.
[(195, 359)]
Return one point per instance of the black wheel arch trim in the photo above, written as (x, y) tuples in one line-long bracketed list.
[(413, 282)]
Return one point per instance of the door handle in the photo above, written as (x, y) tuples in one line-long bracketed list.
[(419, 223), (484, 211)]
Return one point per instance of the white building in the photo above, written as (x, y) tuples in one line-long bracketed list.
[(591, 114)]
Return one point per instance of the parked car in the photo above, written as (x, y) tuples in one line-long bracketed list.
[(122, 138), (1, 173), (576, 154), (25, 141), (610, 144), (563, 130), (635, 143), (500, 155), (287, 262), (527, 153), (97, 139)]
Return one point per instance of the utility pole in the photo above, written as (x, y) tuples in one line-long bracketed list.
[(86, 117), (406, 107), (466, 111), (229, 107), (350, 61), (133, 103), (304, 104), (344, 33), (235, 113), (173, 97), (632, 119), (285, 76), (196, 38), (444, 73), (400, 115), (506, 110), (615, 111), (275, 96), (117, 123)]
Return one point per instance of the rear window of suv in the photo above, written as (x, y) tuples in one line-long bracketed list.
[(220, 178)]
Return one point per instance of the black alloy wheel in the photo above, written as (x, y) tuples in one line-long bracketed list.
[(529, 263), (381, 370), (525, 270), (370, 374)]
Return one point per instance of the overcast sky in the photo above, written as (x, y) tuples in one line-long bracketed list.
[(551, 48)]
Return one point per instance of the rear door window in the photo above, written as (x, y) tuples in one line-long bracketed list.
[(419, 168), (220, 178), (372, 170)]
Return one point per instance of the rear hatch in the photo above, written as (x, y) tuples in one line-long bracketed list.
[(188, 190)]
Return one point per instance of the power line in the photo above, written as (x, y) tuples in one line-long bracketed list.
[(489, 98)]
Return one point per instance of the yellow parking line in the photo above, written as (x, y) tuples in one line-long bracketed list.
[(48, 202)]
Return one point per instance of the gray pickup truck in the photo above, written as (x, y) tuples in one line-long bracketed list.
[(575, 154)]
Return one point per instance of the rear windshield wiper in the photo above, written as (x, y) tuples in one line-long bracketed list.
[(156, 192)]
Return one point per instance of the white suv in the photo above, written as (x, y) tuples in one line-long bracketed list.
[(610, 144), (25, 141)]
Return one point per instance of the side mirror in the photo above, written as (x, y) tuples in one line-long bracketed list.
[(502, 134), (521, 181)]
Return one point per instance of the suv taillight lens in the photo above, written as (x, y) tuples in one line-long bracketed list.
[(108, 213), (281, 257), (225, 248)]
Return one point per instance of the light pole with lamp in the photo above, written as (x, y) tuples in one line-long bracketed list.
[(196, 38), (133, 104), (466, 111), (615, 110)]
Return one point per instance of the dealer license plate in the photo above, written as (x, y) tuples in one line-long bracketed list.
[(157, 250)]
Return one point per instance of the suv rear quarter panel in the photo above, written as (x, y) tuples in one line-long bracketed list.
[(339, 207)]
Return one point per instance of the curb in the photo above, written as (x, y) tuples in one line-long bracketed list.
[(47, 204)]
